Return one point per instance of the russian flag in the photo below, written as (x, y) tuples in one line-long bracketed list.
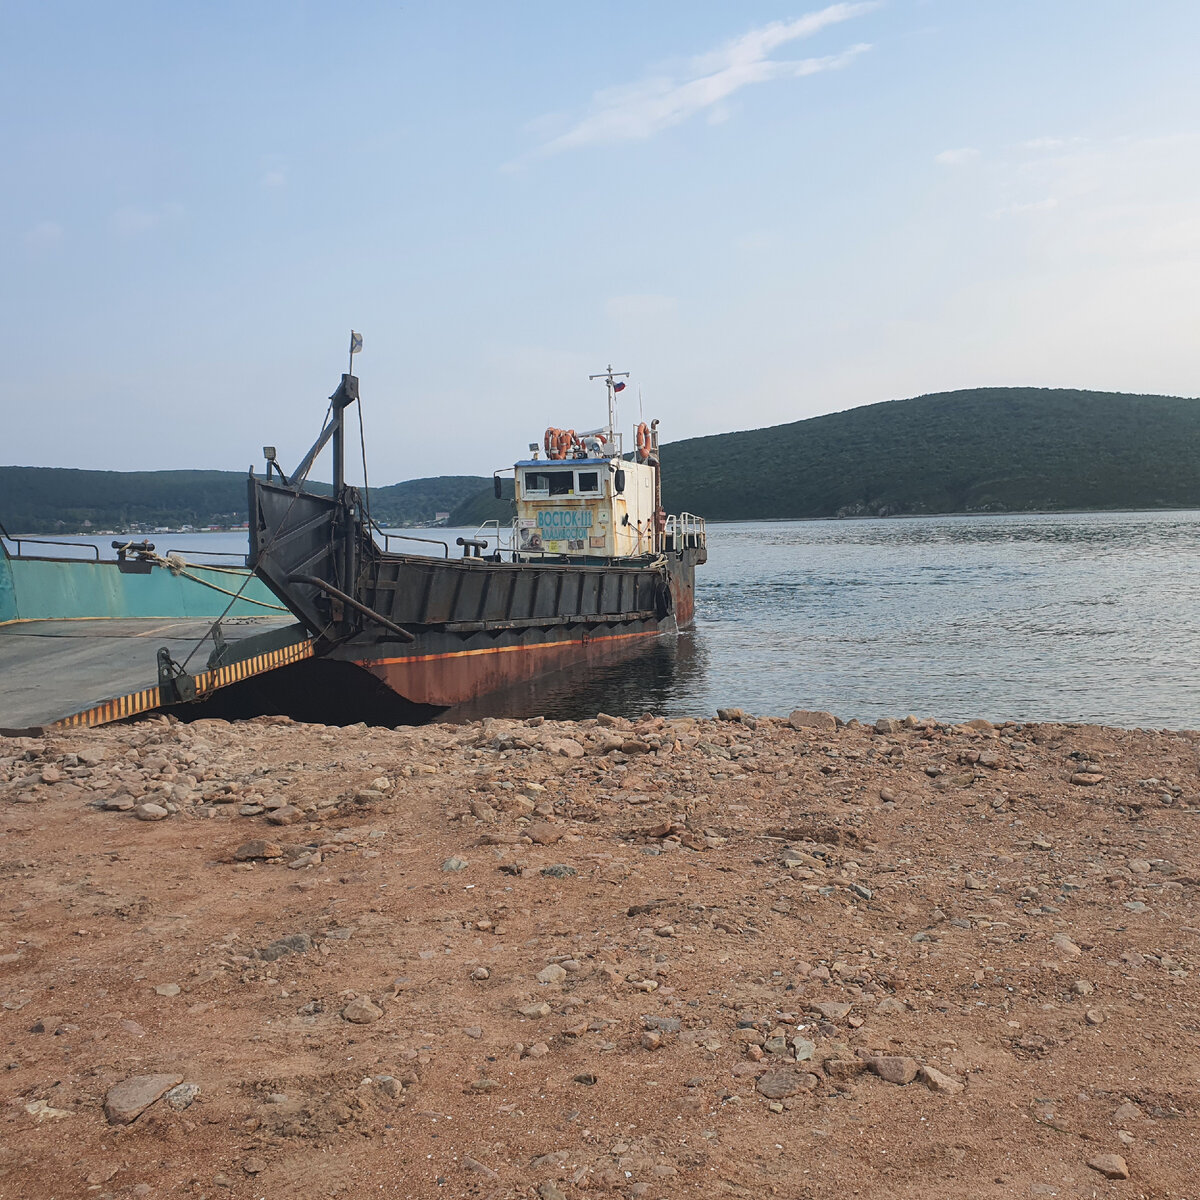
[(619, 385)]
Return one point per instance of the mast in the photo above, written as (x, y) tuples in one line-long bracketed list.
[(610, 377)]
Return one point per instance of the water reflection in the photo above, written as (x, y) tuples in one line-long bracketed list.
[(656, 678)]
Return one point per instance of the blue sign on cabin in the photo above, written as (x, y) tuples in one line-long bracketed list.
[(565, 522)]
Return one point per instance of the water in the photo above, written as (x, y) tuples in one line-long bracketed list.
[(1076, 617)]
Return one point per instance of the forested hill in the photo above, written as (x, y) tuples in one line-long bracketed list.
[(980, 450), (53, 499)]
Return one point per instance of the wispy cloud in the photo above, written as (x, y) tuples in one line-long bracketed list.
[(957, 158), (273, 179), (636, 111), (43, 236)]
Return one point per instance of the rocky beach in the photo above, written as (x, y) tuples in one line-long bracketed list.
[(735, 957)]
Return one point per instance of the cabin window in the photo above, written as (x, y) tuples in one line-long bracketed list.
[(587, 483), (537, 483), (561, 483)]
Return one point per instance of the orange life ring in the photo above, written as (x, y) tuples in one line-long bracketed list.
[(558, 442), (643, 441)]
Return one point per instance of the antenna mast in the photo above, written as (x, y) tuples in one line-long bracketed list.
[(610, 376)]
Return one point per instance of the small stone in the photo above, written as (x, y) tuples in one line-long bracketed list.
[(895, 1068), (935, 1081), (831, 1010), (887, 795), (389, 1085), (787, 1081), (258, 848), (119, 804), (454, 863), (127, 1100), (361, 1011), (552, 974), (558, 871), (473, 1164), (1090, 779), (1081, 987), (535, 1011), (776, 1106), (652, 1040), (482, 811), (1065, 947), (974, 883), (803, 719), (254, 1166), (537, 1050), (541, 833), (844, 1068), (484, 1085), (473, 1031), (889, 1006), (182, 1096), (150, 812), (294, 943), (1094, 1016), (1128, 1112), (481, 973), (803, 1049), (861, 891), (887, 725), (1111, 1166), (168, 989), (289, 814)]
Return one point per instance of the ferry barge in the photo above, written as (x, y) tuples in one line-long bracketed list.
[(593, 566)]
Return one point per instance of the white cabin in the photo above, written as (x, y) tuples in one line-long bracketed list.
[(591, 506)]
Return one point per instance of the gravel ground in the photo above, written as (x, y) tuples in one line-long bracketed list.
[(734, 957)]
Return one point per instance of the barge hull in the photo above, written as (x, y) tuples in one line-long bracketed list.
[(484, 663)]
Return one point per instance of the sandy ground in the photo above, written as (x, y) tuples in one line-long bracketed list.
[(718, 958)]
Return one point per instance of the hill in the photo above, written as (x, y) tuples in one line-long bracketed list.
[(979, 450), (483, 506), (54, 499)]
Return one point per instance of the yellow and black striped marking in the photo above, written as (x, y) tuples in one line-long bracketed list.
[(207, 682)]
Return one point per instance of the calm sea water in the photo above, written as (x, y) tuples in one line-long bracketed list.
[(1087, 617)]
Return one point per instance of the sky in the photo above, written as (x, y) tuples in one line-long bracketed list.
[(762, 212)]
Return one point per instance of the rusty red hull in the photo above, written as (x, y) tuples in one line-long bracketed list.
[(453, 677)]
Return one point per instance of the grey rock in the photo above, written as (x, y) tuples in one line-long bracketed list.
[(895, 1068), (803, 719), (127, 1100), (787, 1081), (182, 1096), (361, 1011), (294, 943), (1111, 1166)]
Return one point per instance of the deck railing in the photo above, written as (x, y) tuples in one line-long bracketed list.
[(684, 531)]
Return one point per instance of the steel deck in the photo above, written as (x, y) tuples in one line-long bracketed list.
[(86, 672)]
